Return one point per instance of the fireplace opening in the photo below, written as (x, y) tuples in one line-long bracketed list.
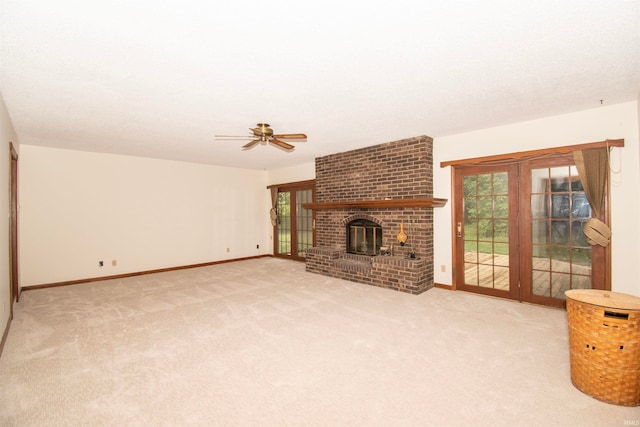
[(364, 237)]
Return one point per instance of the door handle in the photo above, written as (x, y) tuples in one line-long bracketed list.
[(459, 228)]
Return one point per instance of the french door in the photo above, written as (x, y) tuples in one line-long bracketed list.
[(557, 256), (294, 230), (518, 232), (486, 228)]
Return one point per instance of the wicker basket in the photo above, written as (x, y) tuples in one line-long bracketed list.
[(604, 341)]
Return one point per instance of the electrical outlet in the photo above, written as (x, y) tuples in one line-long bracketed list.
[(257, 246), (228, 250), (114, 263), (100, 263)]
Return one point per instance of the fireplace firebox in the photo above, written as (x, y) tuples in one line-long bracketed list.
[(364, 237)]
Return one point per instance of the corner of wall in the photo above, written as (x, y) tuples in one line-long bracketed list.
[(7, 136), (638, 111)]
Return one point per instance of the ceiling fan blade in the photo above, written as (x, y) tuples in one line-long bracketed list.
[(233, 137), (291, 136), (281, 144), (251, 144)]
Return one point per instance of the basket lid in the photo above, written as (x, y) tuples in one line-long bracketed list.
[(605, 298)]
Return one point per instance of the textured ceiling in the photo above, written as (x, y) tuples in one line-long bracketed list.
[(161, 78)]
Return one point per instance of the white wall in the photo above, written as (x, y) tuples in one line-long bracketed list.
[(302, 172), (78, 208), (607, 122), (7, 135)]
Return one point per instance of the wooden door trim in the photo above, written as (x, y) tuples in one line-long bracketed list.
[(13, 232), (523, 155), (297, 184), (454, 240)]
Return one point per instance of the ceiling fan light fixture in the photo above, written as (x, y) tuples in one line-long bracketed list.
[(263, 134)]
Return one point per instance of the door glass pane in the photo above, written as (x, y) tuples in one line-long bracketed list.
[(541, 257), (500, 183), (501, 230), (501, 254), (539, 181), (561, 255), (470, 207), (304, 222), (469, 184), (541, 282), (501, 278), (539, 232), (485, 207), (283, 228), (581, 282), (484, 184), (539, 205), (560, 282), (500, 207), (560, 232), (486, 230)]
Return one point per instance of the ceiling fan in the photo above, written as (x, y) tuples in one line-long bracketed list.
[(263, 134)]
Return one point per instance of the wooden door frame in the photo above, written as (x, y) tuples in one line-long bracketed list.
[(13, 230), (601, 260), (600, 256), (457, 213), (292, 187)]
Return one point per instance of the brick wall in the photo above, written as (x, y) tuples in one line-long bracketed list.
[(395, 170)]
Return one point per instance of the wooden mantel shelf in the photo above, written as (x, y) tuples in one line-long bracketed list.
[(373, 204)]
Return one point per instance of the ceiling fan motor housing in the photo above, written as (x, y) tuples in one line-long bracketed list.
[(263, 130)]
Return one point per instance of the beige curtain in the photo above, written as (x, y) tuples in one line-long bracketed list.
[(593, 169), (273, 212)]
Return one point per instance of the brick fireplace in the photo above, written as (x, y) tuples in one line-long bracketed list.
[(389, 186)]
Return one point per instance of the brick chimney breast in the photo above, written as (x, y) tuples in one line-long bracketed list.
[(394, 170)]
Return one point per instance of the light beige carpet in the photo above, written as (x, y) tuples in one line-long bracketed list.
[(262, 342)]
